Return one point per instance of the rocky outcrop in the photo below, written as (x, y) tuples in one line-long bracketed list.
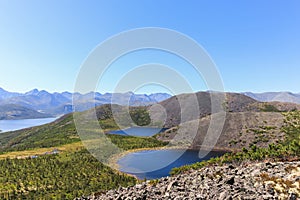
[(247, 181)]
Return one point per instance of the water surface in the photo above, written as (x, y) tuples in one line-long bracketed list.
[(12, 125), (152, 164)]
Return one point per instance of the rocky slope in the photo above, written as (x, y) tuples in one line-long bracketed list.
[(183, 108), (241, 129), (256, 181)]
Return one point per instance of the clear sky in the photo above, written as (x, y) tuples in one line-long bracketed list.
[(255, 44)]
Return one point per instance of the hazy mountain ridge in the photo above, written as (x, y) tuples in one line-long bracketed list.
[(5, 94), (11, 111), (56, 104), (275, 96), (61, 103)]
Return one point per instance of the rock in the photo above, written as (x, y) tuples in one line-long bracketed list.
[(269, 183), (223, 195), (279, 188), (230, 181), (271, 191), (292, 196), (258, 181), (267, 196), (173, 183), (231, 167)]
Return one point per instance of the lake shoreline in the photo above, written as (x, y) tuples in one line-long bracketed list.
[(113, 161)]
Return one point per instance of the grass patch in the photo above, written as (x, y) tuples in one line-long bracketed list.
[(41, 151)]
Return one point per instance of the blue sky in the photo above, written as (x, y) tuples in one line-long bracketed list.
[(255, 44)]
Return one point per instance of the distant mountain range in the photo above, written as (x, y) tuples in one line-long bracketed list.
[(40, 103), (275, 96), (11, 111), (55, 104)]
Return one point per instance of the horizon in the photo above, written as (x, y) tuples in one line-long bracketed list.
[(111, 92), (255, 45)]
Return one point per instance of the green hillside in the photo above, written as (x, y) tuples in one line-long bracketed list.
[(71, 173), (63, 176), (60, 132), (63, 130)]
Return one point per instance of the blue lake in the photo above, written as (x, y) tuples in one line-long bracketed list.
[(138, 131), (12, 125), (152, 164)]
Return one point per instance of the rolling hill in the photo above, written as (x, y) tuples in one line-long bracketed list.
[(180, 105)]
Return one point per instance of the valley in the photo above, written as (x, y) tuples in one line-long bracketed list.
[(253, 131)]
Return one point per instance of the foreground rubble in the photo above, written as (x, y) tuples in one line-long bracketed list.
[(255, 181)]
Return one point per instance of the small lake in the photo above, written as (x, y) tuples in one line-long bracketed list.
[(138, 131), (152, 164), (12, 125)]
